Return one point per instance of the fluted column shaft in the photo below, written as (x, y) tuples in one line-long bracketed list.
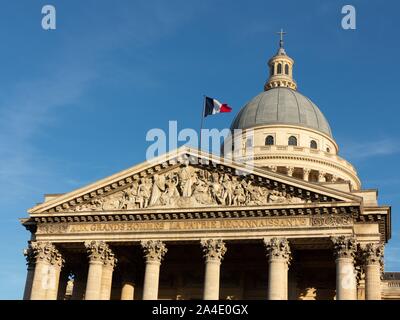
[(97, 254), (214, 251), (107, 275), (279, 256), (344, 251), (154, 251), (373, 256), (52, 291), (39, 282)]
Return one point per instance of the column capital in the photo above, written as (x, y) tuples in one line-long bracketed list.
[(154, 250), (278, 248), (109, 258), (30, 257), (344, 247), (213, 249), (43, 251), (290, 171), (372, 253), (96, 250)]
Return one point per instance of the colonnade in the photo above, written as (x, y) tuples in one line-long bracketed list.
[(45, 263)]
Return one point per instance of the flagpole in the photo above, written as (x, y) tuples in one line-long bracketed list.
[(202, 118)]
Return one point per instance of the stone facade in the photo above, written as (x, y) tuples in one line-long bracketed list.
[(293, 218), (283, 218)]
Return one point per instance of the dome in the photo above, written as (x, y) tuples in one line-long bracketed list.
[(281, 105)]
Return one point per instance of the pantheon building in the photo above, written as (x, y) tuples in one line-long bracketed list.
[(281, 217)]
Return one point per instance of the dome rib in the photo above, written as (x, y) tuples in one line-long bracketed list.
[(298, 106)]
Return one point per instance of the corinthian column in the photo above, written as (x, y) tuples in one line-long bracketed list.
[(344, 251), (279, 256), (56, 264), (372, 256), (97, 253), (107, 274), (48, 262), (30, 262), (214, 251), (154, 251)]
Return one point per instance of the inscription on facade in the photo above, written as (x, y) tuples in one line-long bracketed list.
[(192, 225)]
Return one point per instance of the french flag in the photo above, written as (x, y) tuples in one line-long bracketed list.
[(213, 106)]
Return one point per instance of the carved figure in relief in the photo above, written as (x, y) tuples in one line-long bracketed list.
[(144, 192), (201, 193), (189, 186), (239, 195), (276, 197), (187, 177), (171, 190), (228, 190), (157, 189)]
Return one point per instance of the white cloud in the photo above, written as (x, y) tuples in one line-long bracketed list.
[(369, 149)]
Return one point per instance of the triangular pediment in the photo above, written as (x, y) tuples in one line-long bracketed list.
[(187, 178)]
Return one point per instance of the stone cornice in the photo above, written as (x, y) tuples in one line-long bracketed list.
[(352, 209)]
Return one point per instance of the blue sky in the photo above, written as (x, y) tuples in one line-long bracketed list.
[(76, 103)]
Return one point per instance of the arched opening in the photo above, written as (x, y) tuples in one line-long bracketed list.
[(272, 69), (292, 141), (269, 141), (279, 68), (313, 144), (287, 69)]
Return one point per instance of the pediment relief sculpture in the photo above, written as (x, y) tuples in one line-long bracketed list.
[(188, 186)]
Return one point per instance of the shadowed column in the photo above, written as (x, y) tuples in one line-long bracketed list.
[(107, 274), (154, 251), (373, 257), (30, 262), (97, 252), (56, 265), (344, 251), (279, 256), (214, 251)]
